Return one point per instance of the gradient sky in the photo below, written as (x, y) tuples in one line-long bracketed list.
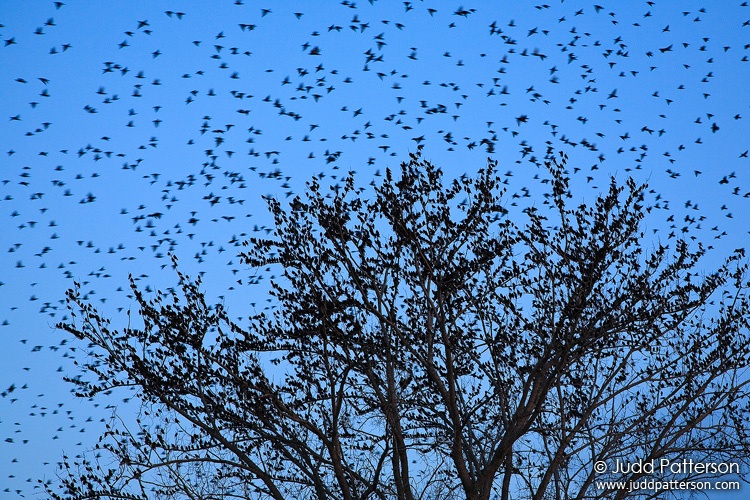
[(131, 129)]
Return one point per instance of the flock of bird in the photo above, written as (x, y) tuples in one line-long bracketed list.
[(138, 129)]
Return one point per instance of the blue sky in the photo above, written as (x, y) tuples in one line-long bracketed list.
[(132, 129)]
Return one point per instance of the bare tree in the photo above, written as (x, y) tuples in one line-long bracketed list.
[(425, 345)]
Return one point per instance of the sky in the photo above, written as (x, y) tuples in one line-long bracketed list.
[(134, 129)]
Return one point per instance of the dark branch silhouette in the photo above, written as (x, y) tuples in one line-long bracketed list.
[(428, 347)]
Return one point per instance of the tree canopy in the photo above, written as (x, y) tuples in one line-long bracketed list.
[(429, 342)]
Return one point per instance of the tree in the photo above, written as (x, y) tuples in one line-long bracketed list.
[(426, 347)]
